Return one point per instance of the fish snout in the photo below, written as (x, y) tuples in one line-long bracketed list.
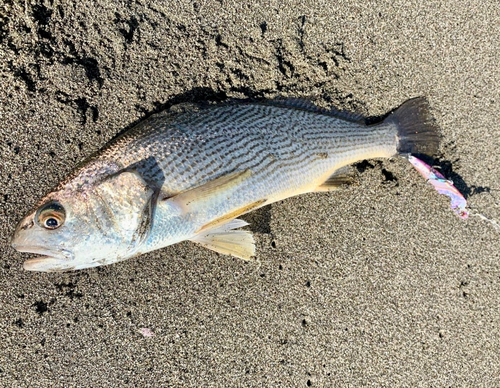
[(22, 232), (28, 239)]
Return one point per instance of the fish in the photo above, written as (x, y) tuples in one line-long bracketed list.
[(190, 172)]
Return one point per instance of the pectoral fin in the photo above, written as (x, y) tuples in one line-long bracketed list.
[(210, 191), (226, 240)]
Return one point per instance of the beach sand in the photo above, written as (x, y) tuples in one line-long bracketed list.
[(376, 284)]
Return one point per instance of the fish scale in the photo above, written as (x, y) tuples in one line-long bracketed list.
[(280, 145), (280, 149), (244, 133), (188, 173)]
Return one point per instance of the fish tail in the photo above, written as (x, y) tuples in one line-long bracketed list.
[(418, 132)]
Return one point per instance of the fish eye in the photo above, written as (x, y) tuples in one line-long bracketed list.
[(51, 223), (51, 215)]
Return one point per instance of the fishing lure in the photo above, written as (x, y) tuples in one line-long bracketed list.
[(442, 186)]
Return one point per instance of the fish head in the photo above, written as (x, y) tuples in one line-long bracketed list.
[(98, 225)]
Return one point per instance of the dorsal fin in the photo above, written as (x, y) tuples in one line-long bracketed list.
[(308, 105), (284, 102)]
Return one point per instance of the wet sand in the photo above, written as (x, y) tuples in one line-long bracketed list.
[(376, 284)]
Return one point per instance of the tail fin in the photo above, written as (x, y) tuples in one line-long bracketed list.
[(418, 132)]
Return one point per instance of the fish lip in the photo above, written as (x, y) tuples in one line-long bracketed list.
[(60, 254), (45, 264)]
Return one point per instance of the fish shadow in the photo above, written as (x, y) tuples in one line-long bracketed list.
[(259, 220)]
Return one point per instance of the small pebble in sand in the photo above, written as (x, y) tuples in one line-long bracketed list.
[(146, 332)]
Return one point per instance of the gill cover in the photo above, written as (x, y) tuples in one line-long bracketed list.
[(126, 206)]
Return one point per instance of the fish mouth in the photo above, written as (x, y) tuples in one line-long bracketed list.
[(52, 260)]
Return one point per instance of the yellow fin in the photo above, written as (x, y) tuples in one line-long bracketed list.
[(226, 240), (343, 176), (187, 199)]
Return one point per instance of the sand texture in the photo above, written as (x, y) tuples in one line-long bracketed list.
[(376, 284)]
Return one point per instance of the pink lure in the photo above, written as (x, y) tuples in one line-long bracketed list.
[(442, 185)]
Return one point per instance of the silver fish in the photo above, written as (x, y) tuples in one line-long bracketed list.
[(188, 173)]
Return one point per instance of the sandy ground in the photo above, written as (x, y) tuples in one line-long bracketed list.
[(376, 284)]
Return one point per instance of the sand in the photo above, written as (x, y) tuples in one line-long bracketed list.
[(376, 284)]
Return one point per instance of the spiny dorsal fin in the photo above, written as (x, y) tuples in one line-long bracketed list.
[(343, 176), (226, 240)]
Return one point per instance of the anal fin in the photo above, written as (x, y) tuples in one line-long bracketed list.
[(224, 239), (343, 176)]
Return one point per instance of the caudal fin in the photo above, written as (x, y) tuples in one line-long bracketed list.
[(418, 132)]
